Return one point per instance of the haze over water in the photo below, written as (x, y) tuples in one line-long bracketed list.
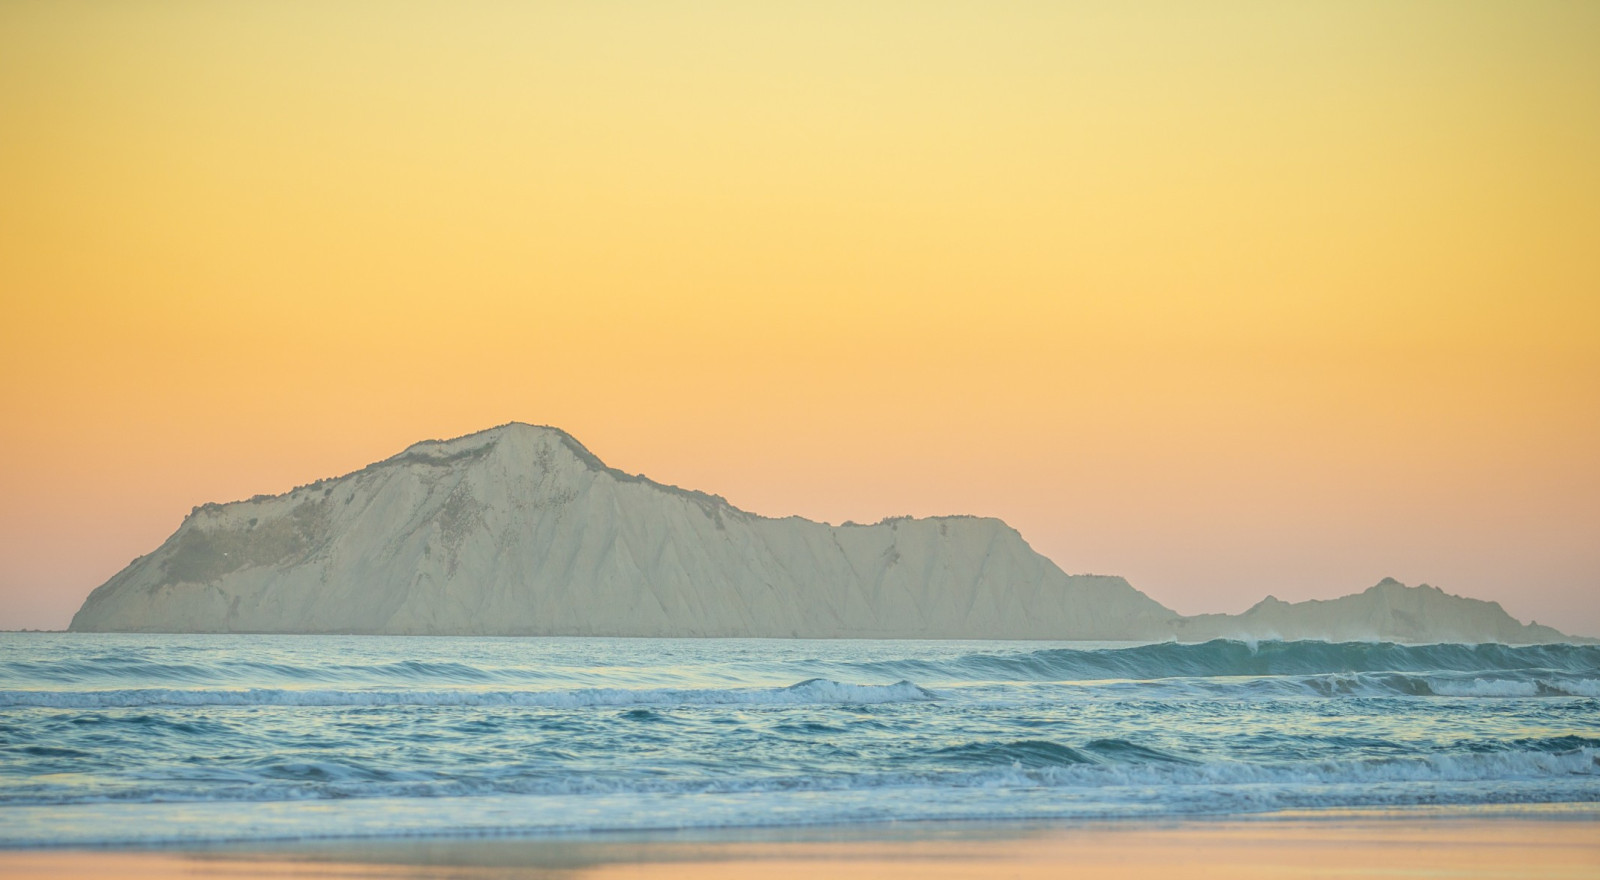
[(110, 739)]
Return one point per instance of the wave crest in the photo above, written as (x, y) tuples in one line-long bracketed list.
[(1227, 657), (814, 690)]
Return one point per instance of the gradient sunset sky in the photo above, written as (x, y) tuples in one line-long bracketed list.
[(1227, 298)]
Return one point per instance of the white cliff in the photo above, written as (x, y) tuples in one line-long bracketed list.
[(520, 530)]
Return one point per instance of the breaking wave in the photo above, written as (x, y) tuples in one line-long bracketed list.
[(117, 738), (814, 690), (1226, 657), (1106, 766)]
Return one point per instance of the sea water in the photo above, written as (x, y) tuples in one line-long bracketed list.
[(169, 739)]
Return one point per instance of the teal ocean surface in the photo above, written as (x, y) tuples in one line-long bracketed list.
[(166, 739)]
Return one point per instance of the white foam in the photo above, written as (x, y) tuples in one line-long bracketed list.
[(1580, 687), (1484, 687), (812, 691)]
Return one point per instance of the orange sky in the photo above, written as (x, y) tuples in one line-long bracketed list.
[(1230, 299)]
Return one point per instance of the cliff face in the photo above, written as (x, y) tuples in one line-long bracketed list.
[(519, 530), (1389, 611)]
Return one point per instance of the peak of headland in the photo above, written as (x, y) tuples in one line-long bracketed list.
[(521, 529)]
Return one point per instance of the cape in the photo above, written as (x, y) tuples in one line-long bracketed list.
[(521, 531)]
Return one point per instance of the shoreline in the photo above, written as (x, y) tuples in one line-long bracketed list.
[(288, 825), (1550, 840)]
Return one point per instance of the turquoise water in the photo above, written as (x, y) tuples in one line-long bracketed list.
[(114, 739)]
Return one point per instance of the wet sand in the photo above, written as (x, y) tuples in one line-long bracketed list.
[(1547, 843)]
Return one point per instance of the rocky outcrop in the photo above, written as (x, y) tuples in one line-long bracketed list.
[(520, 530), (1388, 611)]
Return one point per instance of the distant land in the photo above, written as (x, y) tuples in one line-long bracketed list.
[(520, 530)]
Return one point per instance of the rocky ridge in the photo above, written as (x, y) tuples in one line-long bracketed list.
[(520, 530), (1388, 612)]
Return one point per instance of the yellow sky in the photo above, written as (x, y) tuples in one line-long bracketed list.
[(1226, 298)]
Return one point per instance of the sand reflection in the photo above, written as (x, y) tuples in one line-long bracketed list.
[(1565, 845)]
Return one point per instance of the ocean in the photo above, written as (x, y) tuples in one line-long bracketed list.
[(180, 740)]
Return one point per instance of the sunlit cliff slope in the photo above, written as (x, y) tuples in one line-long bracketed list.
[(520, 530)]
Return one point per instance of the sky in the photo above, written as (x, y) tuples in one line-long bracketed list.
[(1231, 299)]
